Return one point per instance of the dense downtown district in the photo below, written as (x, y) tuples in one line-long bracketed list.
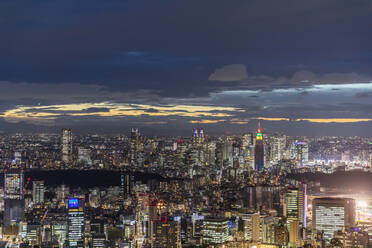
[(258, 189)]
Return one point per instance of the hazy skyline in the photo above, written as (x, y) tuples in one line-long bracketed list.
[(301, 67)]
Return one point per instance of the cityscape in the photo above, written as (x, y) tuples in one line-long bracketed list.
[(185, 124), (258, 189)]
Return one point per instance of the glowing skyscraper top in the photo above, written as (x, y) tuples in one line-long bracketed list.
[(259, 150)]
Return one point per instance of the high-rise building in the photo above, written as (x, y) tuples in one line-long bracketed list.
[(296, 205), (13, 197), (198, 135), (167, 233), (256, 228), (38, 192), (66, 141), (134, 145), (84, 156), (75, 222), (302, 151), (126, 184), (294, 233), (99, 241), (13, 184), (259, 151), (201, 135), (215, 230), (333, 214)]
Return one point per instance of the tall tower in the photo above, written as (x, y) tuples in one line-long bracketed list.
[(38, 192), (66, 141), (134, 145), (259, 151), (13, 197), (75, 222), (201, 135), (296, 199)]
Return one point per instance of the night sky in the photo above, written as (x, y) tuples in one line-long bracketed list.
[(165, 66)]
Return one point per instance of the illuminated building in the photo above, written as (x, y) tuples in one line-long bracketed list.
[(259, 151), (281, 233), (38, 192), (59, 232), (13, 197), (134, 146), (84, 156), (198, 135), (296, 205), (66, 140), (75, 222), (166, 233), (294, 233), (256, 223), (33, 234), (333, 214), (302, 151), (13, 184), (201, 135), (98, 241), (215, 230), (126, 184)]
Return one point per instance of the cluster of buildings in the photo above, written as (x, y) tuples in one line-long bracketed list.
[(231, 191)]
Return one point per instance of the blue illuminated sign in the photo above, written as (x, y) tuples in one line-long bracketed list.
[(300, 143), (73, 203)]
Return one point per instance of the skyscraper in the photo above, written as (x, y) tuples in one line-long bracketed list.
[(302, 151), (198, 135), (66, 141), (215, 230), (134, 145), (166, 234), (75, 222), (333, 214), (259, 151), (13, 197), (296, 205), (38, 192)]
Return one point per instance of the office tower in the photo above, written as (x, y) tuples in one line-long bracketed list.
[(201, 136), (195, 135), (215, 230), (126, 184), (13, 197), (302, 151), (277, 144), (294, 233), (99, 241), (38, 192), (198, 135), (259, 151), (134, 145), (256, 228), (296, 205), (59, 232), (13, 184), (66, 141), (167, 233), (84, 156), (333, 214), (75, 222)]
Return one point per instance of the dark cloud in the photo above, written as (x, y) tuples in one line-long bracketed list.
[(176, 52), (363, 94)]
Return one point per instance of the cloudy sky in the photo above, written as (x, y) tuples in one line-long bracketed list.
[(165, 66)]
